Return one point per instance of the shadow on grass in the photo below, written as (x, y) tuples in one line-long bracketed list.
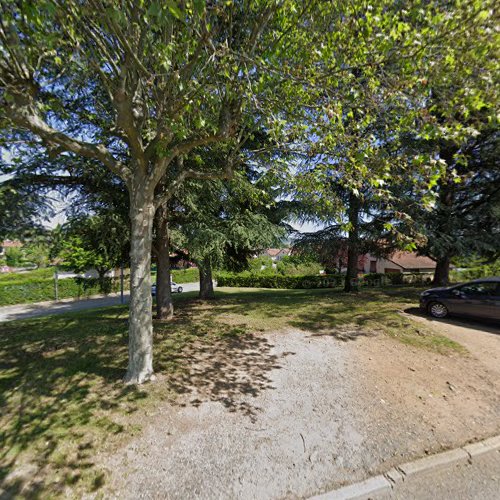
[(59, 379), (61, 394), (326, 312)]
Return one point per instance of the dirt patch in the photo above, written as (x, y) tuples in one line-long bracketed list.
[(417, 402), (329, 410), (482, 340)]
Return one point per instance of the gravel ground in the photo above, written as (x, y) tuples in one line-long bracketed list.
[(282, 442), (302, 415)]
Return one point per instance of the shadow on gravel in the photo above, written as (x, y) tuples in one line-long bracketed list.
[(484, 325), (345, 334), (217, 362)]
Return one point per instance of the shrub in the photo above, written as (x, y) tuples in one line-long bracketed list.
[(255, 265), (296, 265), (375, 279), (249, 280), (13, 256)]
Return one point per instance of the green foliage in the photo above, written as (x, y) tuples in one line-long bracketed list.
[(14, 256), (20, 206), (27, 276), (298, 265), (99, 241), (225, 222), (262, 263), (478, 271), (249, 280), (38, 290), (37, 252), (189, 275)]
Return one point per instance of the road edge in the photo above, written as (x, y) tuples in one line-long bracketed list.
[(385, 483)]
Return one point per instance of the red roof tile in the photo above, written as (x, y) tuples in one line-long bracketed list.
[(410, 260)]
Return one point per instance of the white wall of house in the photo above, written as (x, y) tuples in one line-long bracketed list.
[(381, 265)]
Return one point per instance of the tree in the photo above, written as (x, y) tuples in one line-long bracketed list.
[(161, 251), (354, 122), (224, 223), (37, 251), (134, 87), (23, 210), (464, 219), (84, 246), (13, 256)]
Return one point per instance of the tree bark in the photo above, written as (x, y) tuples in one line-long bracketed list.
[(140, 363), (164, 303), (446, 201), (352, 244), (442, 272), (206, 283)]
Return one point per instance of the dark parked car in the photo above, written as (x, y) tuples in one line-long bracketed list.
[(479, 298)]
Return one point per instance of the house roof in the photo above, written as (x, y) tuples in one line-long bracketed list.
[(10, 244), (272, 252), (410, 260)]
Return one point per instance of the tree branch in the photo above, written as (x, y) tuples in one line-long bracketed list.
[(23, 113), (174, 186)]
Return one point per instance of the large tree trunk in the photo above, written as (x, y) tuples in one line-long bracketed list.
[(164, 303), (206, 283), (140, 363), (442, 272), (353, 244), (445, 208)]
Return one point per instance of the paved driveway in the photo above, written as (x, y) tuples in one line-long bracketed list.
[(24, 311)]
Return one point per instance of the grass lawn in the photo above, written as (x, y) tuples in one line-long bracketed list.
[(60, 392)]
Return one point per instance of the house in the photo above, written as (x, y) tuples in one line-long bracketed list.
[(398, 262), (277, 254), (4, 245)]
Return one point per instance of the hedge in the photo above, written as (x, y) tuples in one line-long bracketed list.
[(189, 275), (245, 280), (37, 274), (38, 290)]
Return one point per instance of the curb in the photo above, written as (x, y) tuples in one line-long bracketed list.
[(384, 483)]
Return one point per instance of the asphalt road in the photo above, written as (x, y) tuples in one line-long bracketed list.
[(478, 480), (25, 311)]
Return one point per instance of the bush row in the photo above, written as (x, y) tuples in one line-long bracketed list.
[(45, 272), (246, 280), (261, 280), (472, 273), (19, 292)]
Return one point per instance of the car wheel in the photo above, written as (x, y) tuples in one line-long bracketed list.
[(179, 290), (437, 310)]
